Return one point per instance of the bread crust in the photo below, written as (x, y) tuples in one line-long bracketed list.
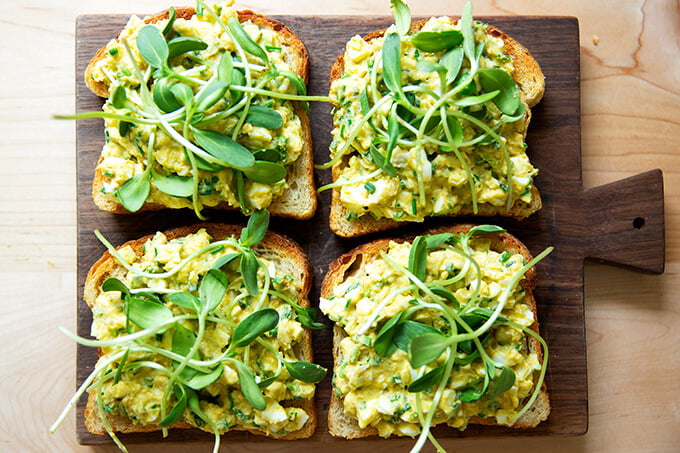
[(300, 175), (341, 425), (529, 78), (273, 244)]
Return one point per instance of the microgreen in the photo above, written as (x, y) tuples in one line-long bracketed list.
[(447, 295), (504, 382), (249, 387), (406, 331), (152, 46), (241, 192), (307, 317), (114, 284), (183, 93), (154, 328), (256, 228), (185, 300), (393, 130), (381, 161), (266, 117), (147, 314), (465, 322), (245, 41), (174, 185), (253, 326), (118, 97), (467, 32), (265, 172), (183, 341), (210, 95), (427, 380), (212, 289), (224, 260), (199, 380), (519, 114), (164, 97), (435, 240), (475, 100), (402, 16), (429, 66), (466, 111), (134, 192), (188, 89), (183, 44), (452, 61), (435, 41), (121, 366), (481, 230), (417, 259), (305, 371), (224, 148), (248, 268), (391, 53), (225, 68), (426, 348), (194, 405), (172, 16), (384, 344), (268, 154), (495, 79), (177, 410), (364, 103)]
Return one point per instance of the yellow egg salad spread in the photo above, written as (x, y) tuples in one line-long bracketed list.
[(204, 332), (429, 123), (200, 112), (437, 330)]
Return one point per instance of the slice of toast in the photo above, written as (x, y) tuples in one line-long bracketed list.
[(357, 261), (530, 80), (287, 257), (298, 200)]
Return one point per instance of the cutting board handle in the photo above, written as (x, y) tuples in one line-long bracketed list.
[(626, 222)]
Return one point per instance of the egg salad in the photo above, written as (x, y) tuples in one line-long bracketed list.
[(429, 123), (218, 89), (198, 332), (437, 330), (139, 391)]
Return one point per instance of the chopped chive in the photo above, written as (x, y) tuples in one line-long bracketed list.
[(218, 249)]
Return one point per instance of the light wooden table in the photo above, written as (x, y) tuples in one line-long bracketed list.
[(630, 57)]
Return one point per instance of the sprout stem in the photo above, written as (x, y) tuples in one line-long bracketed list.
[(83, 387)]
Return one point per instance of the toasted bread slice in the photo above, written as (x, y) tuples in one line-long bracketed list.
[(298, 201), (530, 80), (356, 261), (289, 259)]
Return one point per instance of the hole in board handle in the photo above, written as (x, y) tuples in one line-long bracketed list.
[(638, 222)]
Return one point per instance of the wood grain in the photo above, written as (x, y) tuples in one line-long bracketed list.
[(630, 122), (572, 220)]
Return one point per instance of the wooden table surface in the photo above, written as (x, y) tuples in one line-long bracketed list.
[(630, 105)]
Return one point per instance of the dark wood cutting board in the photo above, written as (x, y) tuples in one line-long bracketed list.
[(622, 222)]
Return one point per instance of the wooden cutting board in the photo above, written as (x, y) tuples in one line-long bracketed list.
[(621, 223)]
